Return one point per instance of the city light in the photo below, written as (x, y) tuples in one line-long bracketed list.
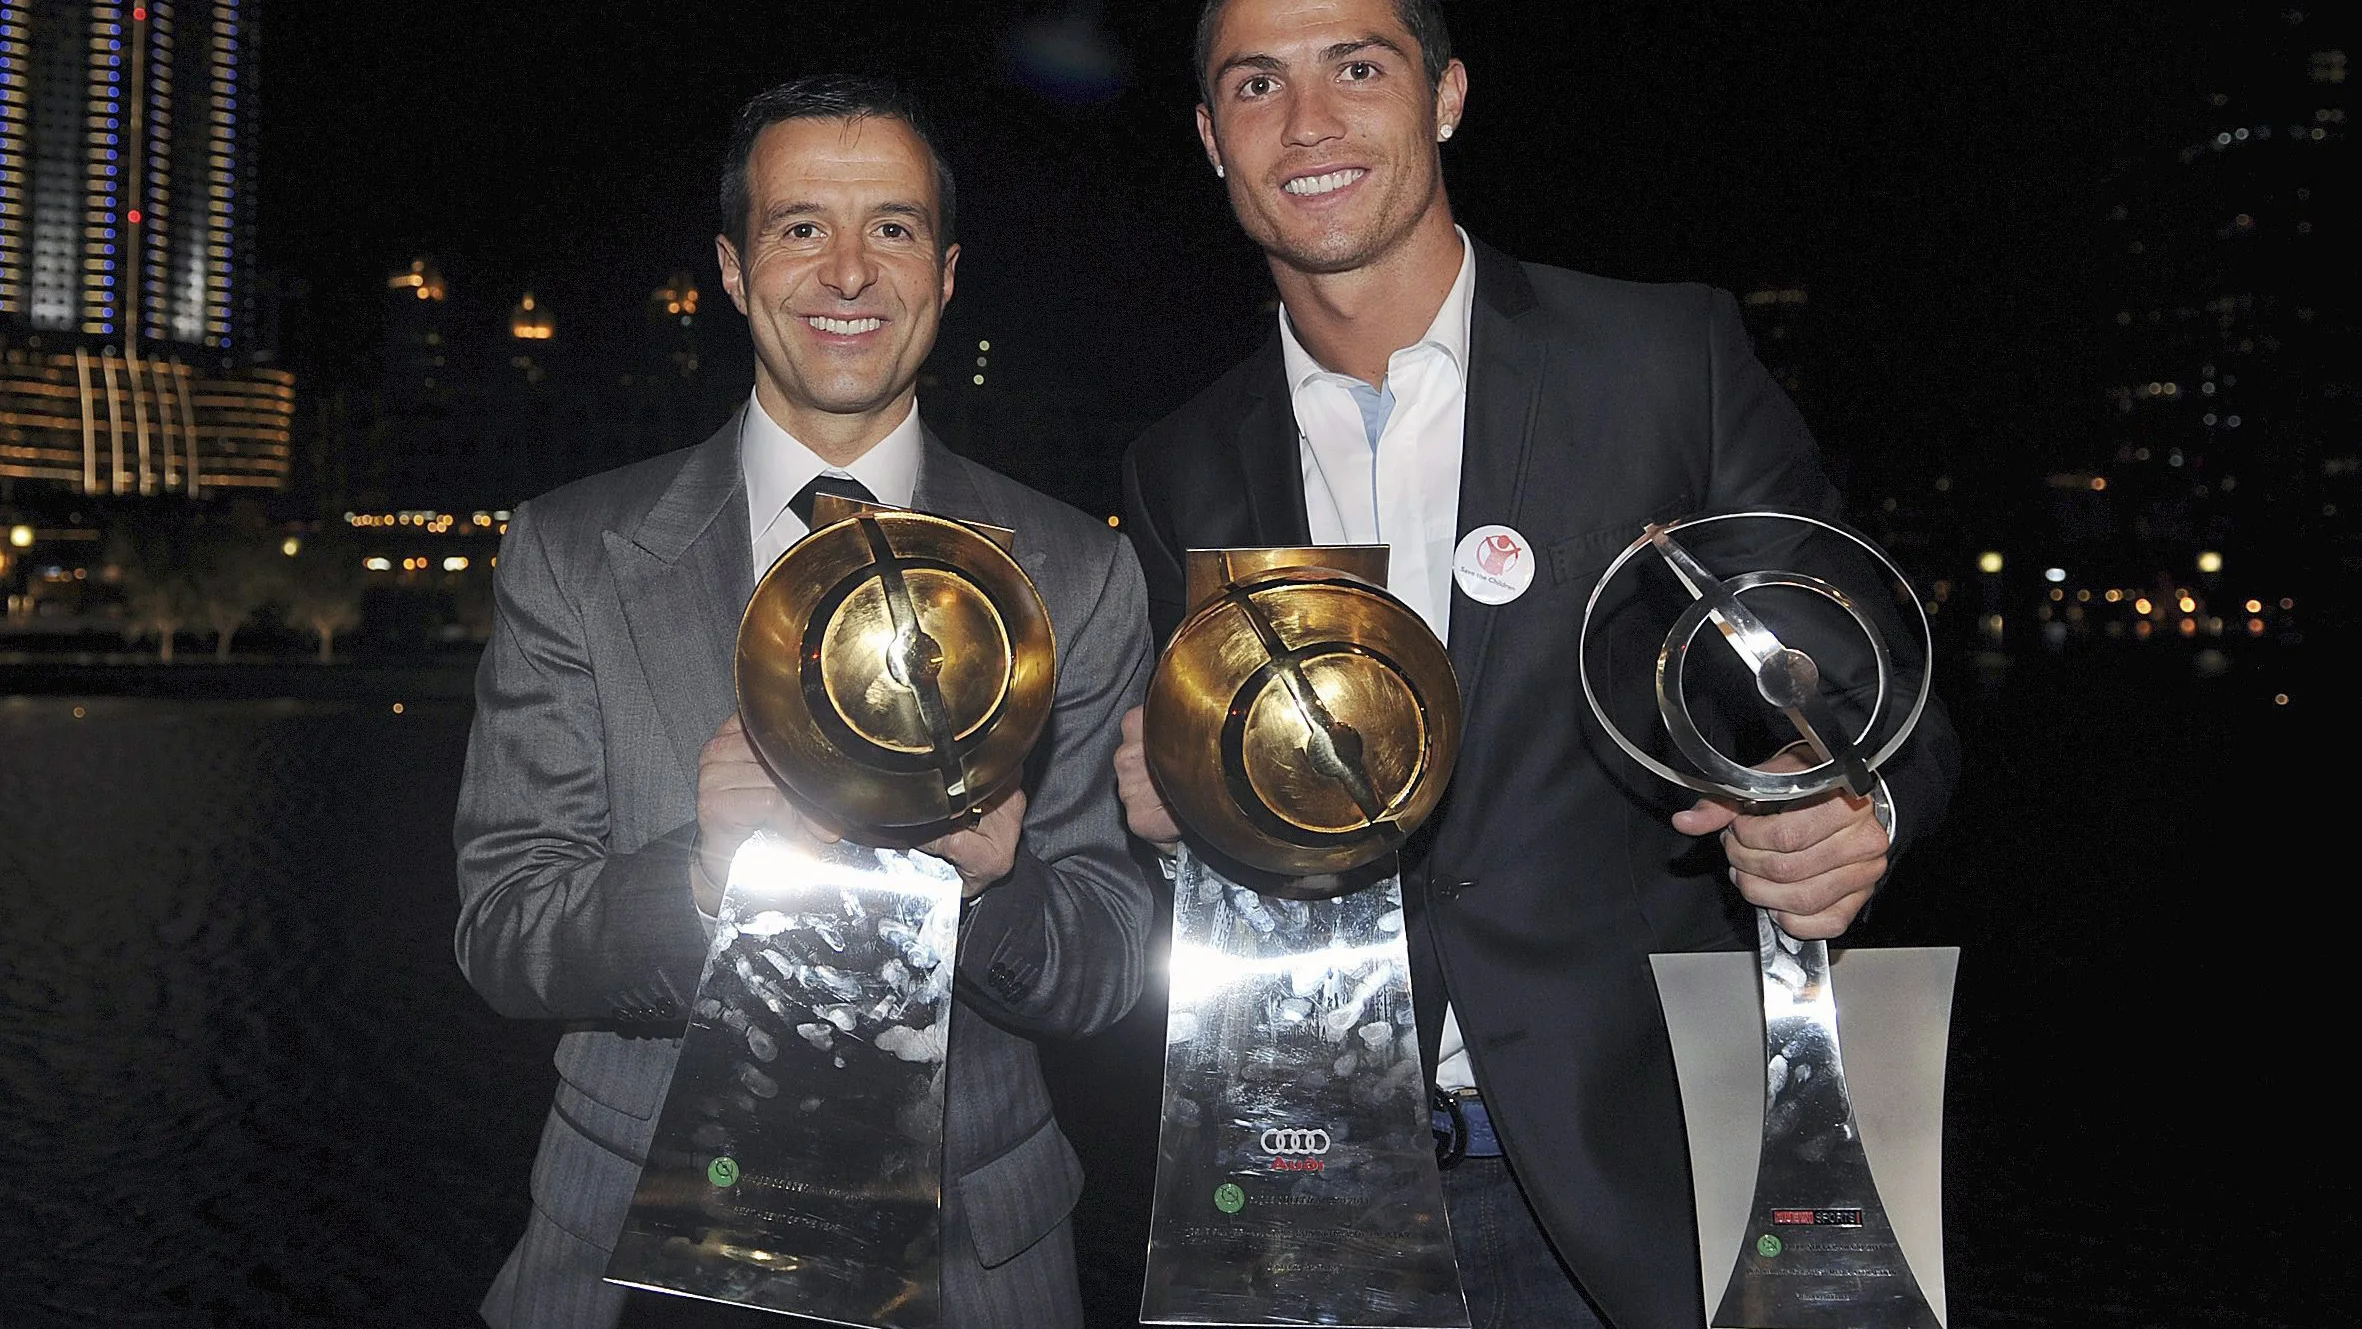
[(378, 564), (291, 546), (2054, 575), (455, 563), (21, 537), (1989, 561), (2210, 561)]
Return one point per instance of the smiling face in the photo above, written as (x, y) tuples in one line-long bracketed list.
[(841, 280), (1325, 126)]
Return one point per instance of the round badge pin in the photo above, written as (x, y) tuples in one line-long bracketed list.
[(1493, 565)]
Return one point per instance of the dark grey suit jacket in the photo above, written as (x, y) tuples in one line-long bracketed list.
[(1551, 873), (618, 602)]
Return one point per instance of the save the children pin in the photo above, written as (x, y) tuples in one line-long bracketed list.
[(1493, 565)]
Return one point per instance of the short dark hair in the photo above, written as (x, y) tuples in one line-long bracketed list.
[(839, 97), (1423, 17)]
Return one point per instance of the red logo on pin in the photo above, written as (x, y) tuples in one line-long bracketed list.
[(1498, 554)]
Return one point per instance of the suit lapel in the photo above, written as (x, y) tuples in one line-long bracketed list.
[(944, 489), (1271, 458), (684, 576), (1506, 371)]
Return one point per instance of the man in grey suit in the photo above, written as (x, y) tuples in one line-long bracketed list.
[(608, 782)]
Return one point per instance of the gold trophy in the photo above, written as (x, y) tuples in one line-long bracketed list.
[(894, 669), (1301, 724)]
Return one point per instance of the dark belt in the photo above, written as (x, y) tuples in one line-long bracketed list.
[(1463, 1128)]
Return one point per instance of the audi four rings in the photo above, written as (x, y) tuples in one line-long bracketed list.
[(1277, 1141)]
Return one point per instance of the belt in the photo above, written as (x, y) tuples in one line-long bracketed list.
[(1463, 1127)]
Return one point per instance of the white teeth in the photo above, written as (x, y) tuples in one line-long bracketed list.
[(1324, 184), (846, 327)]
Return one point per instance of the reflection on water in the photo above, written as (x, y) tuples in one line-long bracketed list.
[(241, 1080)]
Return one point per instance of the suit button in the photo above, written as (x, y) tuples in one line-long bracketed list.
[(1450, 890)]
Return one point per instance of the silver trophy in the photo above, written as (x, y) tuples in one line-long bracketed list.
[(1763, 633), (1301, 723), (893, 671)]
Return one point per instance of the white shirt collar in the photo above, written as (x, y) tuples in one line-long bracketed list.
[(1448, 333), (777, 465)]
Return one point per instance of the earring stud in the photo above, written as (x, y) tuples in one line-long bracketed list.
[(1444, 134), (1219, 173)]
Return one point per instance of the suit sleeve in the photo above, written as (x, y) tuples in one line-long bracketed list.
[(1764, 457), (1058, 947), (551, 924)]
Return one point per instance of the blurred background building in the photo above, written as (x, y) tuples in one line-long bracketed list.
[(2231, 383), (128, 305)]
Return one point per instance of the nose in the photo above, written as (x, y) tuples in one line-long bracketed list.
[(849, 268), (1312, 116)]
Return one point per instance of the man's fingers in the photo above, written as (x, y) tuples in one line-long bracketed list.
[(1704, 817), (1824, 923), (1145, 812), (1814, 894), (1849, 844)]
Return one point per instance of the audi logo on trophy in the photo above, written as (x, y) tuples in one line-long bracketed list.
[(1768, 657), (1277, 1141), (893, 670), (1301, 724)]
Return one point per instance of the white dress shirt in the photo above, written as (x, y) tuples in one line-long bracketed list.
[(1382, 466), (778, 466)]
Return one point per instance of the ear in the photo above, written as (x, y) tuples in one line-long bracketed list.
[(1205, 136), (1451, 95), (951, 263), (733, 278)]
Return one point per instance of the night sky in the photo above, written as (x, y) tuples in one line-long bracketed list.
[(1934, 178)]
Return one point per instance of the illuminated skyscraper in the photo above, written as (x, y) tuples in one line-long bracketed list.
[(123, 205), (125, 235)]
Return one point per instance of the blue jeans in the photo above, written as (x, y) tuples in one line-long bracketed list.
[(1514, 1278)]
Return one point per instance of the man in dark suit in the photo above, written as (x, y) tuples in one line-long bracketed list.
[(609, 782), (1506, 429)]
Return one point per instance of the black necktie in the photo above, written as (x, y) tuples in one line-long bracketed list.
[(843, 486)]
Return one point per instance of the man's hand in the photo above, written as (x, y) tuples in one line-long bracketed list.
[(1144, 808), (1813, 864), (986, 852), (736, 797)]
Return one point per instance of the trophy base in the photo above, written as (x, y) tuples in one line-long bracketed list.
[(1296, 1178), (1841, 1249), (798, 1159)]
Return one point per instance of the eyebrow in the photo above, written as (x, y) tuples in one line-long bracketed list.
[(1344, 49), (1268, 64)]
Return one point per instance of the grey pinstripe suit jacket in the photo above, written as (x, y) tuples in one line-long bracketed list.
[(618, 601)]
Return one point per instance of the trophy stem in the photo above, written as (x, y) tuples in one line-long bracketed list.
[(1818, 1251)]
